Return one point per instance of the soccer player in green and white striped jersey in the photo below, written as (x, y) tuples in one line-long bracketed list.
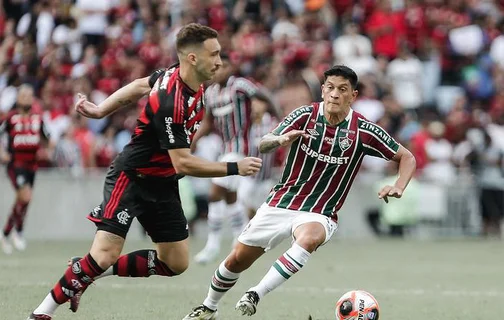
[(327, 143)]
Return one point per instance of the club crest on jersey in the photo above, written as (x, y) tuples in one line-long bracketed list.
[(344, 143)]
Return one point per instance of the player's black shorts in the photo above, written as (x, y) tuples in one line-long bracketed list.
[(20, 177), (155, 203)]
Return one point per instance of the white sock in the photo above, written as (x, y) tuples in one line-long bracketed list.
[(222, 281), (237, 216), (47, 307), (284, 267), (215, 219)]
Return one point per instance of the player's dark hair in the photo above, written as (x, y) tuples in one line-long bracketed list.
[(194, 34), (344, 72)]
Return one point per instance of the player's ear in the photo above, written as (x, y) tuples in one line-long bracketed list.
[(322, 90), (191, 57), (355, 93)]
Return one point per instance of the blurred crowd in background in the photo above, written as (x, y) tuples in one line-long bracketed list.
[(431, 71)]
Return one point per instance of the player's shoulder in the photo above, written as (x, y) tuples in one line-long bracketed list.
[(242, 83), (304, 109), (9, 115)]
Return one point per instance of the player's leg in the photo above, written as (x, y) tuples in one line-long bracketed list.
[(23, 196), (166, 224), (104, 252), (263, 232), (215, 219), (113, 219), (309, 231)]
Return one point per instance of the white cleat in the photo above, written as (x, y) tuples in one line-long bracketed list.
[(18, 241), (202, 312), (6, 245), (248, 303), (206, 256)]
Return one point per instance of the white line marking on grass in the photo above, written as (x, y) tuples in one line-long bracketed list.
[(294, 290)]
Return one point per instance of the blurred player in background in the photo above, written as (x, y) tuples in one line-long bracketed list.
[(142, 181), (25, 130), (327, 143), (229, 107), (253, 190)]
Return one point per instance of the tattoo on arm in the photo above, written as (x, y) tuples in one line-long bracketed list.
[(124, 102), (269, 143)]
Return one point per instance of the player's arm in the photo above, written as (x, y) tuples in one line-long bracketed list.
[(5, 157), (123, 97), (287, 131), (187, 164), (407, 167), (172, 136), (271, 141)]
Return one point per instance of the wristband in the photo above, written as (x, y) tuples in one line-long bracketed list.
[(232, 168)]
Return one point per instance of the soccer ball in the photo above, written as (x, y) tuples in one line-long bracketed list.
[(357, 305)]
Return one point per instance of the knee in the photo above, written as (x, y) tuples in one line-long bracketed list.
[(25, 195), (177, 266), (310, 242), (105, 258)]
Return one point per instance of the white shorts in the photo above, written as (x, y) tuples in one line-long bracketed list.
[(231, 183), (252, 192), (270, 226)]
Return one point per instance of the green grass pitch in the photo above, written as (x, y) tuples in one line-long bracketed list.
[(412, 280)]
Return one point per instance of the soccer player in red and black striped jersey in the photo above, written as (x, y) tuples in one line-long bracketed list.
[(229, 103), (142, 182), (327, 143), (26, 132)]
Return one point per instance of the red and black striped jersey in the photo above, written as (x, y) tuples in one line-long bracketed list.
[(168, 121), (25, 133), (320, 170)]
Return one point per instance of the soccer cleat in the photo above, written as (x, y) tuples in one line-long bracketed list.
[(75, 300), (39, 317), (206, 256), (248, 303), (18, 241), (6, 245), (202, 312)]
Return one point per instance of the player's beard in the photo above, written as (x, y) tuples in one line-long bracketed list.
[(25, 107)]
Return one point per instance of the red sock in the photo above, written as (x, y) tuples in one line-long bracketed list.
[(21, 217), (78, 276), (16, 210), (141, 263)]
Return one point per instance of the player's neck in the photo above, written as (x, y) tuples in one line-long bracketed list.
[(190, 78), (336, 118)]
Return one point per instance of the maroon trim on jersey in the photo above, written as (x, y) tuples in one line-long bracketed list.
[(121, 184)]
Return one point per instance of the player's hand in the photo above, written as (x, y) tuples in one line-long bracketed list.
[(249, 166), (291, 136), (389, 191), (87, 108)]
